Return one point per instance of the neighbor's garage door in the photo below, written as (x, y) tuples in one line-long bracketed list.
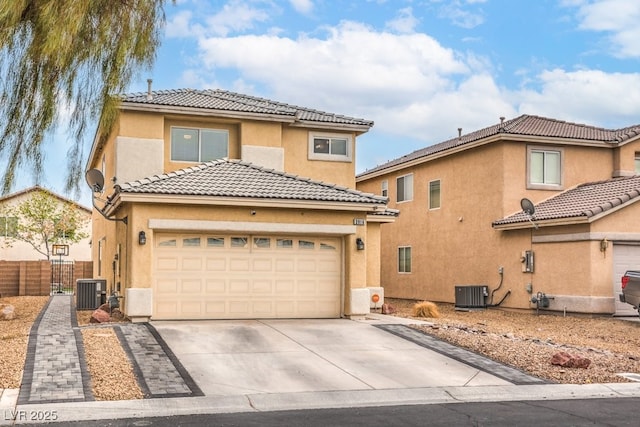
[(240, 276), (625, 257)]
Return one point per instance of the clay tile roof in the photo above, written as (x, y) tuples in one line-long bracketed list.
[(524, 125), (237, 179), (221, 100), (583, 202)]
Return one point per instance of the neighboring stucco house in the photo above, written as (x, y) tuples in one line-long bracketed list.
[(223, 205), (462, 224), (16, 250)]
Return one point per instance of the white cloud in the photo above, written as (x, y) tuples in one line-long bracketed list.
[(593, 97), (235, 16), (404, 22), (302, 6), (460, 15), (618, 18)]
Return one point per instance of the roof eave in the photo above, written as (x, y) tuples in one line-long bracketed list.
[(124, 197), (523, 225), (332, 126)]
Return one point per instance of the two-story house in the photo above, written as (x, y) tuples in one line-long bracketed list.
[(462, 224), (221, 205)]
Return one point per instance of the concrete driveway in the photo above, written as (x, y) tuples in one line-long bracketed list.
[(227, 358)]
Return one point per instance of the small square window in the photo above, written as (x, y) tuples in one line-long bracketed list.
[(215, 242), (284, 243), (239, 242), (404, 188), (404, 259), (305, 244), (261, 242), (434, 194), (191, 242), (330, 147)]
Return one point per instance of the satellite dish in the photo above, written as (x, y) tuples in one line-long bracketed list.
[(95, 179), (527, 207)]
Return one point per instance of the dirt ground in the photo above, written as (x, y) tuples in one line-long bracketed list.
[(521, 339), (527, 341)]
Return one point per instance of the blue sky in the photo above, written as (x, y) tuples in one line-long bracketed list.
[(419, 69)]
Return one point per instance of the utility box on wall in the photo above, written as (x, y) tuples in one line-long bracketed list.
[(376, 297)]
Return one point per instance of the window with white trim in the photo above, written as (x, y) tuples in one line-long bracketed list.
[(544, 168), (333, 147), (637, 163), (198, 145), (434, 194), (384, 191), (404, 188), (404, 259)]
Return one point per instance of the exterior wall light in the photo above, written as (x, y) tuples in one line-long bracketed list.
[(359, 244), (142, 238)]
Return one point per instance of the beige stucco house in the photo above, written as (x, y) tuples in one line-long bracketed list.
[(16, 250), (462, 226), (219, 205)]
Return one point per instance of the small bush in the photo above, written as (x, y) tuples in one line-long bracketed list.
[(425, 309)]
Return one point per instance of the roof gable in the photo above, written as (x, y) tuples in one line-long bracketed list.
[(238, 179), (526, 126), (221, 100), (583, 202), (36, 188)]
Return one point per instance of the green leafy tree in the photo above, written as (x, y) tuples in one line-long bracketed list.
[(44, 220), (65, 57)]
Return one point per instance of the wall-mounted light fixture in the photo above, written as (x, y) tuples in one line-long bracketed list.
[(142, 238), (359, 244), (604, 244)]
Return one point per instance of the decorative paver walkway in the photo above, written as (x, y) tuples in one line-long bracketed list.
[(55, 368)]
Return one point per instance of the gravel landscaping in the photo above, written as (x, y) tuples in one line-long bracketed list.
[(518, 338), (527, 341)]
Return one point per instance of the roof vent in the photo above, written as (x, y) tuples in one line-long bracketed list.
[(459, 132), (149, 95), (502, 120)]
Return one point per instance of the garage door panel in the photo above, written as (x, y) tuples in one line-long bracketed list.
[(192, 264), (263, 264), (226, 277), (167, 263), (216, 264), (191, 286), (239, 264), (216, 287)]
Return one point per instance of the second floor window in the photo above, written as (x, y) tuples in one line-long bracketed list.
[(545, 168), (404, 259), (198, 145), (330, 147), (404, 190), (434, 194), (384, 192)]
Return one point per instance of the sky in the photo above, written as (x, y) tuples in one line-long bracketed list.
[(420, 69)]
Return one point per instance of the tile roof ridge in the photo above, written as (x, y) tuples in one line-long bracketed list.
[(163, 176)]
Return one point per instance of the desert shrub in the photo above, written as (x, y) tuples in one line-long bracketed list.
[(425, 309)]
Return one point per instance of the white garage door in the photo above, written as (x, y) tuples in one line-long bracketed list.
[(208, 276), (625, 257)]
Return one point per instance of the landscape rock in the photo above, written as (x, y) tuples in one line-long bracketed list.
[(100, 316), (7, 312), (105, 307), (566, 360), (388, 309)]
